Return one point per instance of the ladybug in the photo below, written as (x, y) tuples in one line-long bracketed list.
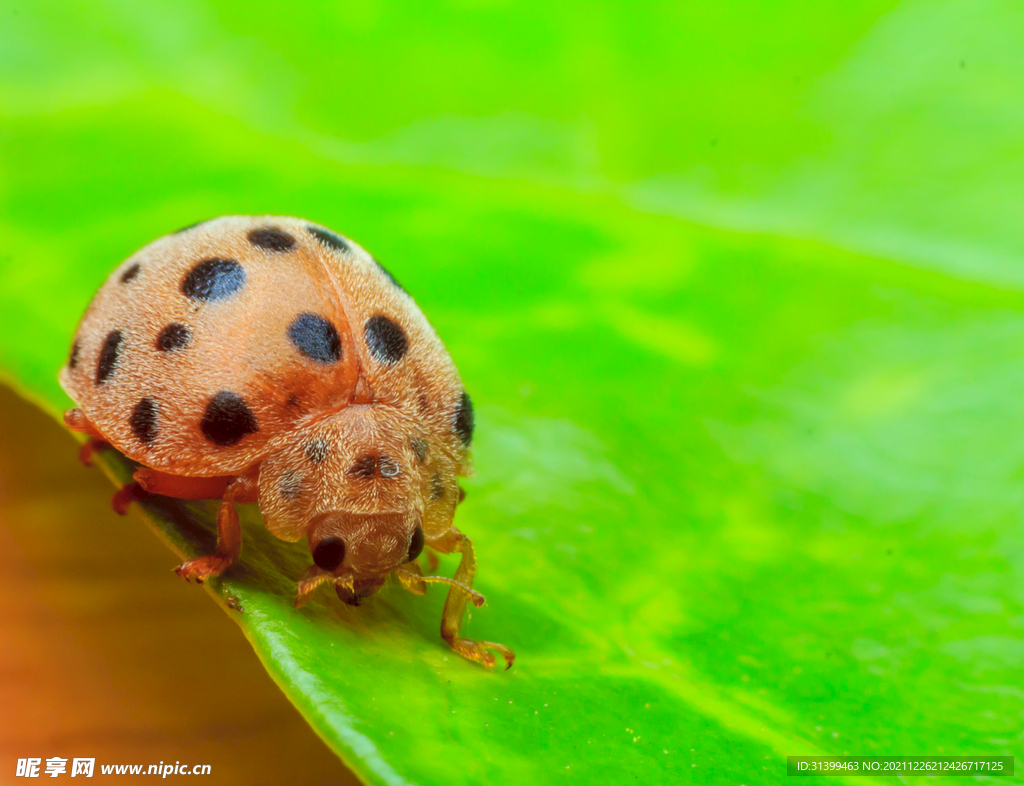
[(271, 360)]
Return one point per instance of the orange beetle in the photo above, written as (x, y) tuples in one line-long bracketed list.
[(270, 359)]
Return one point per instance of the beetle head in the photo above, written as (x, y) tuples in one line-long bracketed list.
[(361, 549)]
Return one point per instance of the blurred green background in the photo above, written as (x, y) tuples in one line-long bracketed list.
[(736, 288)]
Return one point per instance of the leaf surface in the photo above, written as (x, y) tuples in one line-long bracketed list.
[(736, 290)]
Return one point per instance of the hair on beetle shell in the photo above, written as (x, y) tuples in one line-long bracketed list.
[(317, 450), (290, 484)]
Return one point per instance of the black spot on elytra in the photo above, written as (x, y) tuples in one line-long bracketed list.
[(271, 238), (130, 273), (436, 487), (316, 338), (329, 553), (145, 420), (385, 339), (336, 242), (110, 356), (463, 421), (174, 337), (227, 419), (213, 279), (332, 240), (190, 226), (364, 467), (317, 450), (415, 545), (420, 448), (387, 274), (290, 485), (73, 357)]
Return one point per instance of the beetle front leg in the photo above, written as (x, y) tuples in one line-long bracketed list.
[(455, 605)]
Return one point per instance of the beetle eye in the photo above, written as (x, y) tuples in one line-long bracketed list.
[(415, 545), (329, 553)]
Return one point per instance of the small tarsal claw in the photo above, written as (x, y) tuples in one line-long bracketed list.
[(308, 582), (478, 651), (501, 649), (202, 568)]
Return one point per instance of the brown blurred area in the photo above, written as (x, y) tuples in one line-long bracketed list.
[(105, 653)]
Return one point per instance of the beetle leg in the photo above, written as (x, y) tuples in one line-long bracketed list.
[(229, 537), (455, 605)]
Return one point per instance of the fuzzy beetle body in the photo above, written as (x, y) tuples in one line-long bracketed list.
[(269, 359)]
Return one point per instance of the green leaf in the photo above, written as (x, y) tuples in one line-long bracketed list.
[(736, 288)]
